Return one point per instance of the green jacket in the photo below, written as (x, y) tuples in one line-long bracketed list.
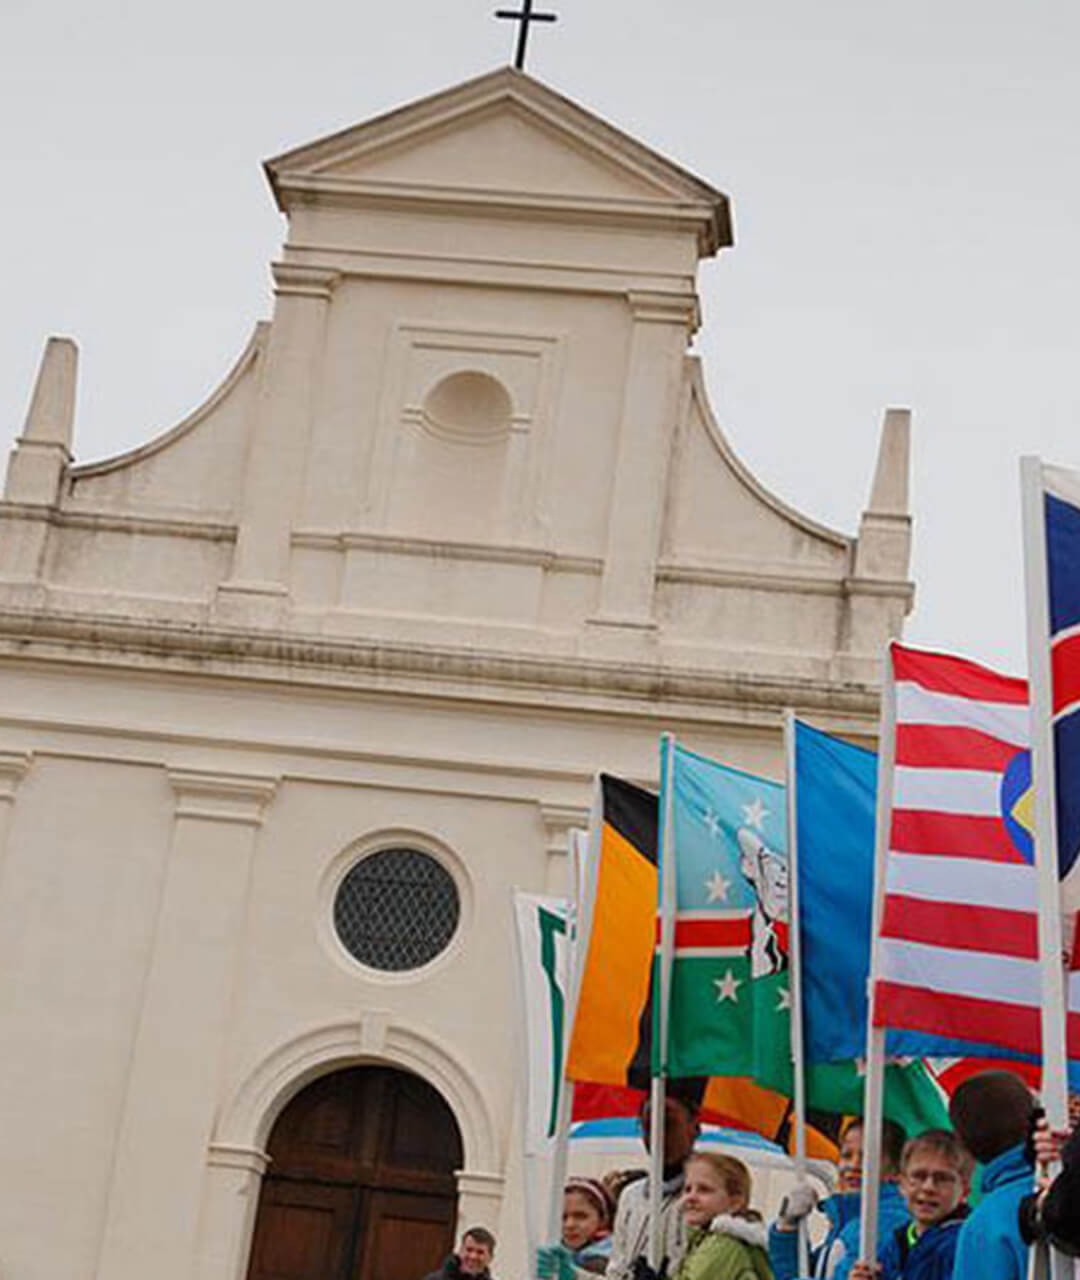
[(729, 1249)]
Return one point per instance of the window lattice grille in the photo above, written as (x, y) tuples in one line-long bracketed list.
[(396, 909)]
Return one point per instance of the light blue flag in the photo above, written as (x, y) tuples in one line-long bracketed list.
[(729, 1004)]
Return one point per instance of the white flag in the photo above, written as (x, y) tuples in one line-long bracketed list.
[(544, 949)]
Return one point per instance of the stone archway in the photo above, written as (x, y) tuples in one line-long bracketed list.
[(237, 1160), (361, 1181)]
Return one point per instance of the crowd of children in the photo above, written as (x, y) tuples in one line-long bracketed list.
[(926, 1228)]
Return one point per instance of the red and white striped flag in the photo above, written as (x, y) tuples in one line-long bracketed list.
[(958, 950)]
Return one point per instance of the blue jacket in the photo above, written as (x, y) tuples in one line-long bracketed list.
[(840, 1250), (990, 1243), (929, 1258)]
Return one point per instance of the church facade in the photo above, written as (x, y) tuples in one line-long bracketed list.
[(296, 693)]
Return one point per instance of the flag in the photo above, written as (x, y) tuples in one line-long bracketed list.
[(610, 1041), (610, 1044), (836, 806), (729, 986), (543, 957), (1061, 514), (958, 951), (730, 1007)]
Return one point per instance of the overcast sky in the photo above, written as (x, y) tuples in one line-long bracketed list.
[(905, 181)]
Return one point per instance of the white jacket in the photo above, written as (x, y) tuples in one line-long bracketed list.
[(630, 1238)]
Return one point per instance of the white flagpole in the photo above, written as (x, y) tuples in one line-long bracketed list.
[(874, 1095), (1054, 1090), (798, 1052), (661, 992), (583, 851), (528, 1158)]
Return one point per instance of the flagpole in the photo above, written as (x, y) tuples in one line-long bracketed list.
[(1054, 1091), (1055, 1063), (661, 993), (798, 1052), (874, 1095), (581, 844)]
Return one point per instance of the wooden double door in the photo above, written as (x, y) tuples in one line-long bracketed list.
[(361, 1181)]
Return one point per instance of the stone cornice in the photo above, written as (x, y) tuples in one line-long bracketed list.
[(119, 522), (326, 190), (623, 686)]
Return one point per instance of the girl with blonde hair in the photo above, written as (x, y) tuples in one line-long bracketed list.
[(727, 1239)]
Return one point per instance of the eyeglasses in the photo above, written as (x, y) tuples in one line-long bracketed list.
[(935, 1177)]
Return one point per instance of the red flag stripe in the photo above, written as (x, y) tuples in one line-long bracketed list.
[(1009, 1026), (955, 835), (1065, 668), (720, 932), (954, 924), (950, 747), (944, 673)]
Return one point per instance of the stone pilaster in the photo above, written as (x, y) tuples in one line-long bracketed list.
[(662, 323), (257, 589), (172, 1093), (559, 821), (233, 1178), (13, 767)]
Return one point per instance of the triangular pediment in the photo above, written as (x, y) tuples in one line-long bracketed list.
[(504, 133)]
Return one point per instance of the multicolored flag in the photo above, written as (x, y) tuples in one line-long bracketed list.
[(611, 1040), (1062, 507), (730, 993), (959, 941), (730, 997)]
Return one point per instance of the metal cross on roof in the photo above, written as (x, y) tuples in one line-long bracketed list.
[(524, 15)]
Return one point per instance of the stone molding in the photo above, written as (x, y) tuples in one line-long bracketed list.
[(559, 819), (223, 1155), (119, 522), (414, 545), (247, 1118), (650, 306), (627, 681), (13, 768), (221, 797), (253, 349), (292, 279)]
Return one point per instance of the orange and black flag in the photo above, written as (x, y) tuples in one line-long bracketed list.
[(610, 1044), (610, 1041)]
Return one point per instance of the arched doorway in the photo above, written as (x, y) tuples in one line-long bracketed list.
[(361, 1181)]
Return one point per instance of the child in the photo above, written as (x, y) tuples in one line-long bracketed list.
[(935, 1178), (834, 1259), (586, 1223), (992, 1114), (726, 1238)]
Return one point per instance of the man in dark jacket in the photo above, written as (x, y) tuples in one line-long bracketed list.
[(472, 1260)]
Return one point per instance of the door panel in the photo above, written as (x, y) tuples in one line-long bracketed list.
[(303, 1231), (409, 1236)]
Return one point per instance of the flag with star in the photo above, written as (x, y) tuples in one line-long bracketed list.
[(729, 1002)]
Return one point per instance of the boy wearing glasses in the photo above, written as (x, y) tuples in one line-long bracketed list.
[(935, 1178)]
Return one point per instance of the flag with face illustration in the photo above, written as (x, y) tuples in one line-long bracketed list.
[(729, 994)]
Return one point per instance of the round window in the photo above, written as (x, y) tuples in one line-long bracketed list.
[(396, 909)]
